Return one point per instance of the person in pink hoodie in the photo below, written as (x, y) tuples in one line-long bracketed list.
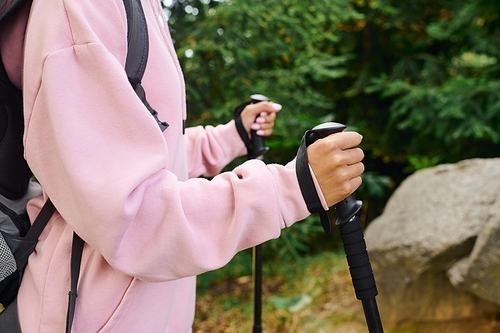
[(133, 193)]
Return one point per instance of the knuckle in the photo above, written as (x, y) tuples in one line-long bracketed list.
[(336, 159), (343, 175)]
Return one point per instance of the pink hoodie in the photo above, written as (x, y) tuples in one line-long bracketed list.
[(126, 188)]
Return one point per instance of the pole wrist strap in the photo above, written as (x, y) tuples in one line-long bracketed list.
[(306, 183), (241, 129)]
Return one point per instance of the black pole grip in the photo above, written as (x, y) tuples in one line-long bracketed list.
[(259, 147), (357, 258)]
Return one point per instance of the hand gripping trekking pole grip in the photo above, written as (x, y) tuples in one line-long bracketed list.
[(349, 226), (255, 144)]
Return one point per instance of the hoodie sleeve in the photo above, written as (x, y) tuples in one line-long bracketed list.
[(100, 157), (211, 148)]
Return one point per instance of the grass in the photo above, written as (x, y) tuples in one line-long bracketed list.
[(307, 295), (312, 294)]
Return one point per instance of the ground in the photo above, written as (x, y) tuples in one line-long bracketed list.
[(310, 295)]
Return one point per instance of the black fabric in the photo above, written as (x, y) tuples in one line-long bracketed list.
[(9, 322), (21, 221), (9, 287), (14, 171)]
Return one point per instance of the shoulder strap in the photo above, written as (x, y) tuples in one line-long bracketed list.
[(138, 43), (27, 245), (41, 220), (76, 259), (138, 50)]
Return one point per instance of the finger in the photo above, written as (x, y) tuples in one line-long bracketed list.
[(266, 132), (265, 110), (260, 120), (355, 183), (268, 107), (345, 140), (356, 169), (354, 155), (264, 124)]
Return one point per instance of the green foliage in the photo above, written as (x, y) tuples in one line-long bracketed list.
[(295, 241), (375, 185), (283, 49), (443, 89), (419, 79), (240, 265)]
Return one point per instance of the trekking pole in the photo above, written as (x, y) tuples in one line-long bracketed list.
[(256, 148), (349, 226)]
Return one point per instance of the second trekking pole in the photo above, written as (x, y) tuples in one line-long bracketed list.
[(255, 150), (348, 224)]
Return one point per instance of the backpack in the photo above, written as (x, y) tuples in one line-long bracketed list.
[(17, 237)]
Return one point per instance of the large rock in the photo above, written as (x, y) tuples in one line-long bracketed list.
[(435, 250)]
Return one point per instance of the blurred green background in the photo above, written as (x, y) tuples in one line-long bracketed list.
[(419, 79)]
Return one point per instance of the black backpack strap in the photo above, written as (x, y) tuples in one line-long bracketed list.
[(138, 50), (41, 221), (76, 258), (28, 243)]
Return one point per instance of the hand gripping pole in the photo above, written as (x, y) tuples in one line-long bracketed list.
[(348, 224), (255, 144)]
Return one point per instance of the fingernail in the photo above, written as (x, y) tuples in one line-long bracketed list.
[(260, 120), (255, 126), (277, 106), (260, 132), (263, 114)]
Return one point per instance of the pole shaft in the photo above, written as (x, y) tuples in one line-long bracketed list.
[(257, 288), (372, 316)]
